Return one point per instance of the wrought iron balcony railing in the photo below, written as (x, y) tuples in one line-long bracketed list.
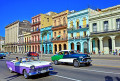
[(106, 31), (35, 22), (59, 39), (60, 25), (78, 37), (76, 28)]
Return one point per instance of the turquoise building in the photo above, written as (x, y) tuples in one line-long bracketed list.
[(47, 44), (78, 31)]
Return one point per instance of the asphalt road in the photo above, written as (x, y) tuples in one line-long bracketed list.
[(65, 73)]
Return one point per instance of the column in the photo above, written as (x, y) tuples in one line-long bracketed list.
[(75, 47), (82, 47), (101, 43), (48, 48), (91, 45), (44, 49), (113, 42), (96, 46)]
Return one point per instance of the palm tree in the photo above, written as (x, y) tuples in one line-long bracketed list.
[(44, 33)]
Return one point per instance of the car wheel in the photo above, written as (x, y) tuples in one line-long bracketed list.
[(76, 63), (56, 62), (47, 73), (26, 74), (10, 69), (87, 64)]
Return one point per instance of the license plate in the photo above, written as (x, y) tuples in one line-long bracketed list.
[(43, 71)]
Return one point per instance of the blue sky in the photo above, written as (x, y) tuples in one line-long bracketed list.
[(12, 10)]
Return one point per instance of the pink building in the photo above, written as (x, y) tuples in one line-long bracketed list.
[(35, 34)]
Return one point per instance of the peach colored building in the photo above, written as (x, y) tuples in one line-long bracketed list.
[(35, 34)]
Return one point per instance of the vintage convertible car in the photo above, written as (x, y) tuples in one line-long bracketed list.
[(29, 67), (70, 56)]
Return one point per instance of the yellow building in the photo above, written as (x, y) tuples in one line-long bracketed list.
[(27, 41), (46, 19), (60, 31)]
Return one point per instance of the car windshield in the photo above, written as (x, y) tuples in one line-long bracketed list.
[(72, 52), (29, 59)]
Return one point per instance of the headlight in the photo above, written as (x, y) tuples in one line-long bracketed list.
[(32, 67), (81, 57)]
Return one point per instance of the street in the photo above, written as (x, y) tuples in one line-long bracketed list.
[(66, 73)]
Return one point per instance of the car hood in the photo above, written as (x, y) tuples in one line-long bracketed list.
[(35, 63)]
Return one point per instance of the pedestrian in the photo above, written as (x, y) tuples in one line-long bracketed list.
[(116, 51), (119, 52), (103, 52), (99, 52)]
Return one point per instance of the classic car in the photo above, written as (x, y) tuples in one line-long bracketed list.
[(29, 67), (32, 54), (3, 53), (70, 56)]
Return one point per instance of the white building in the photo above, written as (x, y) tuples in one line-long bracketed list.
[(105, 30)]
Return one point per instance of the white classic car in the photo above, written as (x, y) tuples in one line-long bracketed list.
[(29, 67)]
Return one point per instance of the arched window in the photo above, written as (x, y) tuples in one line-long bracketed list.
[(55, 23), (59, 21), (84, 22), (77, 23), (64, 21), (71, 24)]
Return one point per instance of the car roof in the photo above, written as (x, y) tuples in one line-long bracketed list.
[(65, 50)]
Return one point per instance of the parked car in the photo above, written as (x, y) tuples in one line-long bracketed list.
[(32, 54), (3, 54), (70, 56), (29, 67)]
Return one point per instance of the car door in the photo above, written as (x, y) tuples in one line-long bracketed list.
[(17, 67)]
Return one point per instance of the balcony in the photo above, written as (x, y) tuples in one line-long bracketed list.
[(47, 41), (79, 37), (59, 39), (108, 31), (35, 31), (61, 26), (76, 29), (35, 23)]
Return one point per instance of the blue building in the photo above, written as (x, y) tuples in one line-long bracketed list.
[(47, 44), (78, 31)]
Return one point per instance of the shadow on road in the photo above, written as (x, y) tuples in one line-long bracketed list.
[(12, 77), (109, 78)]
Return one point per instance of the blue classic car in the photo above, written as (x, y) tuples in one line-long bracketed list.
[(67, 56), (2, 54)]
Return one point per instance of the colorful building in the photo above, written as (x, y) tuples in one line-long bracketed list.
[(46, 25), (60, 31), (78, 30), (27, 42), (35, 34), (105, 30)]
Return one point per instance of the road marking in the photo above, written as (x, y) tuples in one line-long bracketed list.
[(97, 71), (67, 78), (106, 65)]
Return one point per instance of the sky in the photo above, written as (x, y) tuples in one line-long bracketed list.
[(12, 10)]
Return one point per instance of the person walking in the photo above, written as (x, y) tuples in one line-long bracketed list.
[(99, 52), (116, 51), (103, 52), (119, 52), (113, 52)]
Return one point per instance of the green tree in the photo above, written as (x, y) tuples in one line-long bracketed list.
[(44, 33)]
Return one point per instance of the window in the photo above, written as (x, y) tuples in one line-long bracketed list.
[(71, 24), (59, 21), (54, 33), (84, 34), (59, 32), (71, 34), (48, 19), (64, 31), (55, 23), (118, 24), (84, 22), (64, 20), (77, 25), (105, 25), (35, 20), (94, 27)]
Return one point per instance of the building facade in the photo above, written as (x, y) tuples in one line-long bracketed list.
[(27, 42), (35, 34), (105, 30), (21, 43), (2, 43), (78, 31), (60, 31), (12, 32), (47, 43)]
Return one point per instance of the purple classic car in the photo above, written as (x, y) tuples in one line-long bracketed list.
[(29, 67)]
